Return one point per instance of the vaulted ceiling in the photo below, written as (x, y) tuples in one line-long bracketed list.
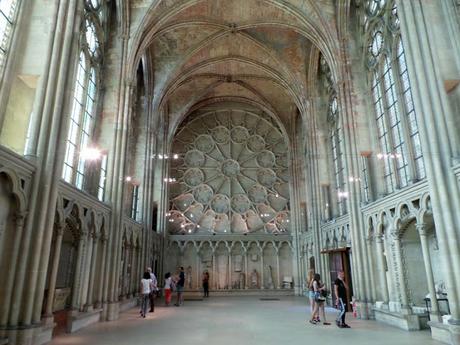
[(250, 51)]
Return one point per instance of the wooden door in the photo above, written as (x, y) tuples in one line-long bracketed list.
[(340, 261)]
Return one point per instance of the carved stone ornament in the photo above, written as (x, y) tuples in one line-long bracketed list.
[(233, 178)]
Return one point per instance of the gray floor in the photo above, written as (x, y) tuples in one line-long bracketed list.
[(238, 320)]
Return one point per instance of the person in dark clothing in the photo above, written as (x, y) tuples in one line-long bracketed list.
[(205, 284), (180, 288), (340, 290)]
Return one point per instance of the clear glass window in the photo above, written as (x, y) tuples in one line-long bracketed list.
[(84, 105), (396, 121), (8, 9)]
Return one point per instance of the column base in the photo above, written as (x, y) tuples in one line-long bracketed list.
[(401, 319), (454, 330), (31, 335), (364, 310), (113, 311), (78, 320)]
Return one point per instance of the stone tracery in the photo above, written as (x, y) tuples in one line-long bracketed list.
[(231, 175)]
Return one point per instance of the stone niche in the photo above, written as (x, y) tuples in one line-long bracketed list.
[(232, 265)]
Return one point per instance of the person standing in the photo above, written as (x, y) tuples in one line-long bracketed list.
[(168, 288), (146, 288), (318, 290), (153, 290), (311, 292), (205, 284), (180, 288), (341, 299)]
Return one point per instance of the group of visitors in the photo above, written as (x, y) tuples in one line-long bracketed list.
[(149, 289), (317, 294)]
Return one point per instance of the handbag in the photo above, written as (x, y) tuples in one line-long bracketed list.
[(319, 297)]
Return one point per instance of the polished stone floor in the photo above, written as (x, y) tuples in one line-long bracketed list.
[(235, 321)]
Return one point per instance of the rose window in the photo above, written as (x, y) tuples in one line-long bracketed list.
[(232, 175)]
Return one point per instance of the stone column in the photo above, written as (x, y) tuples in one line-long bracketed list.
[(9, 280), (402, 288), (246, 268), (434, 314), (440, 141), (124, 274), (198, 268), (370, 258), (102, 273), (78, 272), (54, 271), (214, 278), (229, 283), (90, 299), (278, 276), (86, 271), (50, 148), (133, 271), (381, 266), (262, 266)]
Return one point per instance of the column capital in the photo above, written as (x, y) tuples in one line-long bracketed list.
[(396, 234), (20, 218), (421, 228), (59, 228)]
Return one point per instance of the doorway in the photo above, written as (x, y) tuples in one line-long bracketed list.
[(339, 260)]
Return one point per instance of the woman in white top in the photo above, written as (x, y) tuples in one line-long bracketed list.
[(146, 288), (168, 288), (318, 288)]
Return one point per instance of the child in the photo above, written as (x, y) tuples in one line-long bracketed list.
[(168, 288)]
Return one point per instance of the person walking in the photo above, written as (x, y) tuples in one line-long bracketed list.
[(153, 290), (168, 288), (341, 300), (146, 288), (205, 284), (180, 288)]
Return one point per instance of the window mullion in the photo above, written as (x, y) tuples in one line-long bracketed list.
[(407, 146), (389, 137), (80, 121)]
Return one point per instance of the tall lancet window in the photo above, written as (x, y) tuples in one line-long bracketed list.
[(8, 11), (335, 139), (397, 130), (85, 96)]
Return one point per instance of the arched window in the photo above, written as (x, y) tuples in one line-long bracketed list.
[(8, 10), (397, 129), (84, 103), (335, 138)]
